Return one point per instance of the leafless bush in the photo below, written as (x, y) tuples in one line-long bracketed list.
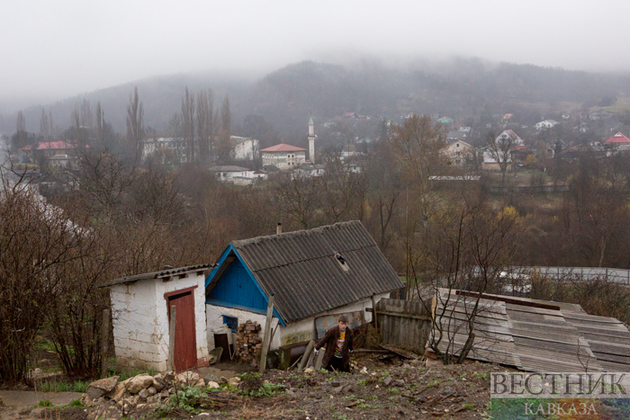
[(597, 296)]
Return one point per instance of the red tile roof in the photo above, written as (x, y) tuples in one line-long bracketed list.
[(617, 138), (49, 145), (283, 147)]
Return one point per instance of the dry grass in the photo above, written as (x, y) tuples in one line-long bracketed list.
[(245, 412)]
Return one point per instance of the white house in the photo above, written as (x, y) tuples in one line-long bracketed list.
[(506, 142), (228, 173), (312, 274), (141, 312), (283, 156), (546, 124), (244, 148), (164, 145), (458, 152)]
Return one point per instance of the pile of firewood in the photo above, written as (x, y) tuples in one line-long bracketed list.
[(248, 344)]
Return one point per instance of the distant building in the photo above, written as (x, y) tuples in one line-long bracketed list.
[(164, 145), (283, 156), (600, 115), (546, 124), (618, 142), (353, 116), (459, 151), (237, 174), (49, 149), (490, 161), (245, 148)]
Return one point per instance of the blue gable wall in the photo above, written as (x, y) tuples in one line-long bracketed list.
[(237, 288)]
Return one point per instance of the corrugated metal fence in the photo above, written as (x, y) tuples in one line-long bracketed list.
[(613, 275), (404, 323)]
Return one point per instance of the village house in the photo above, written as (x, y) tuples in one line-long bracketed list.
[(458, 152), (48, 150), (503, 140), (164, 146), (617, 142), (283, 156), (312, 275), (244, 148), (546, 124), (237, 174)]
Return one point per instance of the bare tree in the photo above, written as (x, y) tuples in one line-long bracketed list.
[(44, 126), (417, 145), (35, 241), (297, 198), (21, 134), (386, 189), (469, 246), (188, 125), (206, 124), (500, 150), (86, 114), (100, 123), (135, 124), (226, 116)]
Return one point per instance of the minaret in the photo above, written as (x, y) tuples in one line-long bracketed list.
[(311, 140)]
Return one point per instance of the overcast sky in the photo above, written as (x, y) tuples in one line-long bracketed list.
[(57, 48)]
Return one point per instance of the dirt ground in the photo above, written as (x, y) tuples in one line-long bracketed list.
[(380, 388), (390, 389)]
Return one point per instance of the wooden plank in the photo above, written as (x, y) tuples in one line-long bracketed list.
[(104, 342), (374, 317), (320, 358), (509, 300), (267, 336), (171, 339), (399, 352), (404, 315), (306, 356)]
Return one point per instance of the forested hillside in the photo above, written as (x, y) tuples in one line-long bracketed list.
[(459, 88)]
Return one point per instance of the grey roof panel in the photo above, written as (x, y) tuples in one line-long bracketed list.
[(170, 272), (302, 271), (544, 340)]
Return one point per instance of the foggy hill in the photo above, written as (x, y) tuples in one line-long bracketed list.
[(459, 87)]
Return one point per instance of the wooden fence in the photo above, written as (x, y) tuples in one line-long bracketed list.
[(404, 323)]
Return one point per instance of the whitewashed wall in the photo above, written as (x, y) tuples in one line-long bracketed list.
[(214, 317), (140, 321), (136, 333), (296, 332)]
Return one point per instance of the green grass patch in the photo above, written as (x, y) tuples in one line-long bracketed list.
[(63, 386), (45, 403)]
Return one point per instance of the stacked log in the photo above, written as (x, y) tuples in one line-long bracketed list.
[(248, 343)]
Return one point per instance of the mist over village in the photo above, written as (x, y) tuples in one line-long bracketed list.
[(340, 211)]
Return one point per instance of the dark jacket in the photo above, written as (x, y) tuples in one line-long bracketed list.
[(330, 341)]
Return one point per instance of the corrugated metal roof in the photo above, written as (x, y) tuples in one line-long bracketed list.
[(170, 272), (536, 335), (303, 271)]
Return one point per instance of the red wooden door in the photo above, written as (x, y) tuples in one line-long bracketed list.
[(185, 337)]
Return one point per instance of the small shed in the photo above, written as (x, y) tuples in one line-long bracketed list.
[(312, 274), (141, 313)]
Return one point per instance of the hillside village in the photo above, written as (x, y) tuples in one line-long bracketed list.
[(456, 246)]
